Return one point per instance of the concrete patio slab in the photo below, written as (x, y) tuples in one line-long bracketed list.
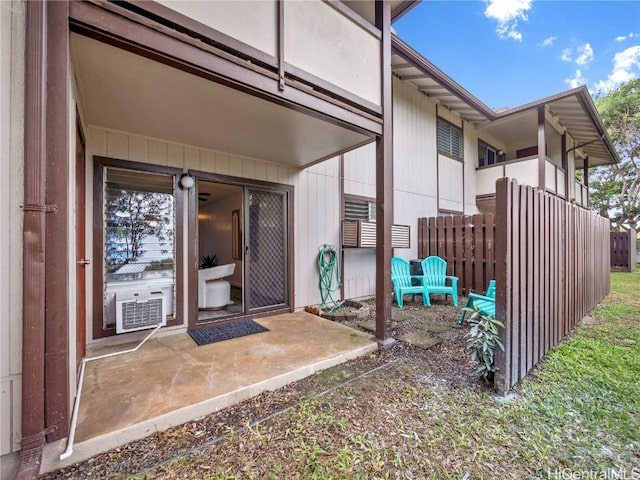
[(171, 380)]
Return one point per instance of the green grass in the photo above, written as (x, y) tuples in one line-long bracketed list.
[(577, 414)]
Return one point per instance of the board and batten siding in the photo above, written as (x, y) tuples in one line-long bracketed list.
[(316, 200), (11, 195)]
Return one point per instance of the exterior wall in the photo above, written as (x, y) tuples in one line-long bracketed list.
[(316, 195), (252, 22), (423, 180), (11, 194), (310, 30), (353, 63)]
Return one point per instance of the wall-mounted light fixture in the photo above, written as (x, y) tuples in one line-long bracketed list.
[(187, 181)]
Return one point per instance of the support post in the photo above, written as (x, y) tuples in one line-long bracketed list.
[(384, 182), (542, 149)]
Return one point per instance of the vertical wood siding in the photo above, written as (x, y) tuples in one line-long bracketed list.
[(11, 195), (316, 192), (552, 268), (623, 250)]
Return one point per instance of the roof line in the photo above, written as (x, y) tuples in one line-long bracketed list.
[(404, 8), (584, 98), (404, 50)]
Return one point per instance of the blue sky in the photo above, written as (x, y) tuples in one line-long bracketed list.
[(511, 52)]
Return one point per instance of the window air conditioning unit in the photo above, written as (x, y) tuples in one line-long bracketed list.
[(140, 311), (361, 234)]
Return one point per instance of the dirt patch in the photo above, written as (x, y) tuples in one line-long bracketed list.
[(442, 364)]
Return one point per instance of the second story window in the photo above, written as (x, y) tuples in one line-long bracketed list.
[(488, 155), (450, 140)]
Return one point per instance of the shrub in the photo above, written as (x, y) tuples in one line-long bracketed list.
[(482, 340)]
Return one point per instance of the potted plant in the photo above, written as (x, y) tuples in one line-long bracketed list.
[(208, 261)]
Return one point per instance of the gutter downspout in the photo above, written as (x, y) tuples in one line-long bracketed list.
[(33, 256)]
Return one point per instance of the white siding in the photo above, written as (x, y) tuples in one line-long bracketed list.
[(360, 171), (251, 22), (316, 193), (11, 195), (450, 184), (470, 168), (322, 41)]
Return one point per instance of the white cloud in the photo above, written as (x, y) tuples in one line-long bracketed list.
[(576, 81), (547, 42), (622, 38), (626, 66), (586, 54), (508, 13), (565, 56)]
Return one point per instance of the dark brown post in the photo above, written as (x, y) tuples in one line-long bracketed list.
[(585, 167), (57, 265), (503, 293), (542, 150), (384, 182), (565, 164)]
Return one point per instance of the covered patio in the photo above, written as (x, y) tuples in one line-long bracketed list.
[(170, 380)]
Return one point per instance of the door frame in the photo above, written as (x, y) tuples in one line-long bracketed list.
[(192, 251), (81, 246)]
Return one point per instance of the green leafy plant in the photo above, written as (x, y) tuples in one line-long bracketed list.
[(208, 261), (482, 340)]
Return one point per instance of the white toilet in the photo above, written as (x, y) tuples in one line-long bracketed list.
[(213, 292)]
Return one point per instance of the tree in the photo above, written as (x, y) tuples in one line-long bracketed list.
[(132, 218), (615, 189)]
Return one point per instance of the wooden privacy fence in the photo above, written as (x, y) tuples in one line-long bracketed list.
[(467, 243), (552, 268), (623, 250)]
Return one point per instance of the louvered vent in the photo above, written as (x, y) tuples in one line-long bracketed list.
[(359, 234), (140, 312)]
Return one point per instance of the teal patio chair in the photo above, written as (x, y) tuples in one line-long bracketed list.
[(485, 304), (434, 278), (402, 285)]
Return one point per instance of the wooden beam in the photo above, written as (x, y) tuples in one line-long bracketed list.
[(384, 183), (542, 149), (57, 239)]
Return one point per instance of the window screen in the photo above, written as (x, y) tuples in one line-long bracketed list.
[(450, 140)]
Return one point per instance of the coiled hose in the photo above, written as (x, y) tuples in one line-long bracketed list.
[(329, 269)]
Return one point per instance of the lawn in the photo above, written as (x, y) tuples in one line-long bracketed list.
[(576, 416)]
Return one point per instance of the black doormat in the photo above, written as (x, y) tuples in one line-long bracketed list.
[(226, 331)]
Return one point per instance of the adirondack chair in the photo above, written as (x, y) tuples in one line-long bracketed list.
[(486, 304), (434, 278), (402, 285)]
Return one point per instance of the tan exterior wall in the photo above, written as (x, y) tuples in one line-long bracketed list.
[(353, 63), (311, 27), (251, 22), (423, 180), (11, 194), (525, 172), (316, 194)]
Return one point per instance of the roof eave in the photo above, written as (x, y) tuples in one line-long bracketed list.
[(422, 64)]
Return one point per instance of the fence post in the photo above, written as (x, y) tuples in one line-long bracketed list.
[(503, 259)]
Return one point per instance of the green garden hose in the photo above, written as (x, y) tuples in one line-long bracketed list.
[(329, 269)]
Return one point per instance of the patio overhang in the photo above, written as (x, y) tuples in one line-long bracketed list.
[(574, 111), (124, 91)]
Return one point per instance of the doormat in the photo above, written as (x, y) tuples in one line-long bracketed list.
[(227, 331)]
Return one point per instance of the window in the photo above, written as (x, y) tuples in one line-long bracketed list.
[(488, 155), (359, 209), (136, 250), (139, 220), (450, 140)]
